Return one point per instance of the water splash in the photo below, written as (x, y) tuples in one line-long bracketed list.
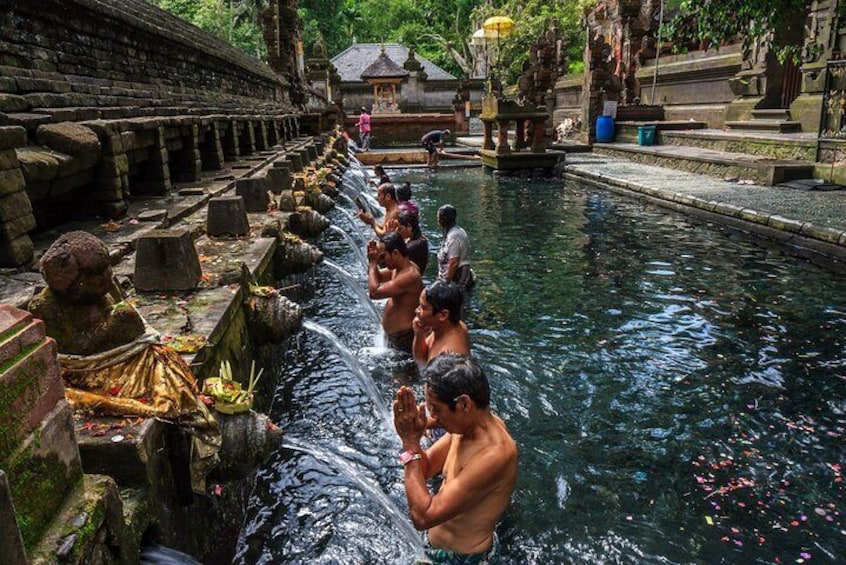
[(352, 283), (355, 247), (368, 385), (395, 516)]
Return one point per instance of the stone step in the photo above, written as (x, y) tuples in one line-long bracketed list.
[(720, 164), (771, 114), (781, 126), (798, 146), (89, 522)]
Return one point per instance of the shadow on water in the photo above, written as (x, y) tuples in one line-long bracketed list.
[(677, 392)]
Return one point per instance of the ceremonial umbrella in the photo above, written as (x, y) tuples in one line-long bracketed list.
[(502, 25)]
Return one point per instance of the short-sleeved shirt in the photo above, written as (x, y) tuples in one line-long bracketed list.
[(433, 137), (455, 244), (364, 123), (418, 252)]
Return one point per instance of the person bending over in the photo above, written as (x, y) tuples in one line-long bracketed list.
[(433, 143), (400, 283), (476, 457), (437, 323)]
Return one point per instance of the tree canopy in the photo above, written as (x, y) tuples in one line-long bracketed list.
[(716, 22)]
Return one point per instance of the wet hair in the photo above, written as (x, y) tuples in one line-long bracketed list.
[(404, 192), (447, 296), (409, 219), (447, 215), (446, 133), (392, 241), (379, 170), (450, 375), (388, 188)]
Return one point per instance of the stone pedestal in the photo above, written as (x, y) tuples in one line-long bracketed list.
[(38, 451), (166, 260), (254, 192), (227, 215)]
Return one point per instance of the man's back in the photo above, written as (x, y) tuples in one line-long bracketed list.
[(491, 447)]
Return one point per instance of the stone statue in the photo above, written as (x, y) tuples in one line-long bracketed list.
[(78, 306)]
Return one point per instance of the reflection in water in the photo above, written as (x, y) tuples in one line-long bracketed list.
[(677, 393)]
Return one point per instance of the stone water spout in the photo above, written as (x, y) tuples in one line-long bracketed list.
[(307, 222), (247, 440), (271, 317), (319, 201)]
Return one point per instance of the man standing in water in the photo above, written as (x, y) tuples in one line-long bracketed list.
[(477, 458), (386, 195), (437, 324), (400, 283), (454, 254)]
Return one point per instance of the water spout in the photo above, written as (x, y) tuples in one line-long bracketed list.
[(355, 247), (342, 465), (353, 221), (352, 283), (364, 378)]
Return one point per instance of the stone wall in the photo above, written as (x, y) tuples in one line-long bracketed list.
[(693, 85), (102, 100)]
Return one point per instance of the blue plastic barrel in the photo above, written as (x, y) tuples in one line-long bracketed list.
[(604, 129)]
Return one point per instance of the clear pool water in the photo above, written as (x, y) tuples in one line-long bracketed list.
[(677, 392)]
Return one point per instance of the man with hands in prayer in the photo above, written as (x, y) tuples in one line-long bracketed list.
[(477, 459)]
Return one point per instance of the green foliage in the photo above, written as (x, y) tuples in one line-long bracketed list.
[(236, 22), (715, 22), (531, 19)]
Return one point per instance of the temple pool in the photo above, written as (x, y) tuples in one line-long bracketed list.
[(677, 392)]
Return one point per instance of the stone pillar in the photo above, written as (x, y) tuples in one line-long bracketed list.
[(231, 145), (211, 150), (538, 135), (260, 131), (488, 143), (16, 217), (166, 260), (502, 147), (188, 163), (111, 179), (822, 43)]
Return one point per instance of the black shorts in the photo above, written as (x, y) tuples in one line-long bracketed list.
[(430, 146)]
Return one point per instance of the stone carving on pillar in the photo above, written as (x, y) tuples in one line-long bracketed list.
[(540, 71), (281, 27)]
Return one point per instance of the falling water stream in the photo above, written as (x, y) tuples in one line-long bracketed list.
[(678, 393)]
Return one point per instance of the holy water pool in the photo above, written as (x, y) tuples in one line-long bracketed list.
[(677, 392)]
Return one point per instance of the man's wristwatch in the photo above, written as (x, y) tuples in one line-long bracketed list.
[(407, 457)]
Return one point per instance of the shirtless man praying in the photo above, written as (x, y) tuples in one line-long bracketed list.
[(437, 323), (400, 283), (477, 459)]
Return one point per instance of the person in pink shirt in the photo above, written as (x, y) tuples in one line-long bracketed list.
[(363, 125)]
